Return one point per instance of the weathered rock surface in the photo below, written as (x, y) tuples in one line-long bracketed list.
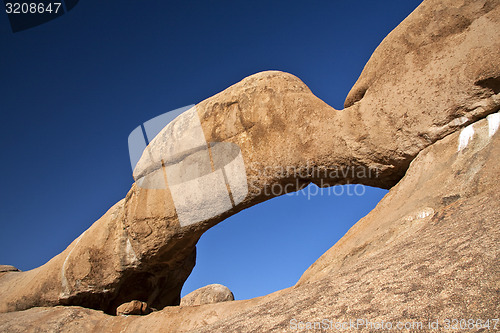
[(428, 250), (133, 308), (8, 268), (213, 293)]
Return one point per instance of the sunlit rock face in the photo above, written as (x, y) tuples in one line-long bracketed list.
[(422, 120)]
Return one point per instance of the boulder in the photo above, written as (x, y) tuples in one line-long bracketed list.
[(428, 251), (213, 293), (433, 77), (133, 308), (8, 268)]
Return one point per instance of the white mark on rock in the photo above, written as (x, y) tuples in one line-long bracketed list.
[(64, 281), (130, 255), (466, 135), (493, 123), (422, 214)]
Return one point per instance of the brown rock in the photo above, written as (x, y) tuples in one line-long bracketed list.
[(133, 308), (428, 251), (8, 268), (213, 293), (435, 74)]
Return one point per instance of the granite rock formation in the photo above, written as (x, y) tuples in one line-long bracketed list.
[(423, 115), (428, 251), (7, 268)]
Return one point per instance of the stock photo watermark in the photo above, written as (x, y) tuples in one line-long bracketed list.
[(409, 325)]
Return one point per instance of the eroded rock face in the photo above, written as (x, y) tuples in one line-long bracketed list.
[(213, 293), (428, 251), (7, 268), (435, 74)]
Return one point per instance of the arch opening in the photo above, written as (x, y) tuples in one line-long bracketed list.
[(268, 247)]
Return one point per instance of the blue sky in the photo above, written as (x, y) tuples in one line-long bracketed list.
[(74, 88)]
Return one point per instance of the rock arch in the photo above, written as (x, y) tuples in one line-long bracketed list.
[(138, 249)]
